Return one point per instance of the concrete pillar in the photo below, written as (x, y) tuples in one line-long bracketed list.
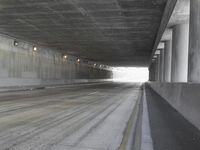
[(194, 42), (180, 41), (162, 59), (152, 71), (158, 68), (167, 60)]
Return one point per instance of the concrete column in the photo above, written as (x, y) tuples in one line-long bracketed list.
[(167, 60), (152, 71), (180, 41), (194, 42), (158, 68), (162, 59)]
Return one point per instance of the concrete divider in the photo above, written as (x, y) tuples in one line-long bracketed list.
[(184, 97)]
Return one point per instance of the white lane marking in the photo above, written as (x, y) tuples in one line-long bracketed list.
[(93, 93)]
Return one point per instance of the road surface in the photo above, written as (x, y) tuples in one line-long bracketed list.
[(86, 117)]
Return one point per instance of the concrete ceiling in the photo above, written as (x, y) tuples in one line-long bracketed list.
[(113, 32), (180, 14)]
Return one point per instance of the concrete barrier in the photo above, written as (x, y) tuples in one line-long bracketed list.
[(184, 97)]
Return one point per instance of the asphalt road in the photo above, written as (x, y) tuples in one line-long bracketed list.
[(86, 117)]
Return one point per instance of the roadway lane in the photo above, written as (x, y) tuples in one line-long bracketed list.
[(91, 117)]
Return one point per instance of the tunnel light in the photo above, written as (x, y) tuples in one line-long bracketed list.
[(65, 56), (34, 48), (16, 43), (78, 60)]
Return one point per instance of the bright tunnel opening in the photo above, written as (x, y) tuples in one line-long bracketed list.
[(130, 74)]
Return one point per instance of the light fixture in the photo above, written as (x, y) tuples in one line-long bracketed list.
[(95, 65), (16, 43), (65, 56), (34, 48), (78, 60)]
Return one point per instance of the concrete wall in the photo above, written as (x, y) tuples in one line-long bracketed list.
[(21, 66), (184, 97)]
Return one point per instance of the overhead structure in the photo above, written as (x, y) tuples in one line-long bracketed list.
[(112, 32)]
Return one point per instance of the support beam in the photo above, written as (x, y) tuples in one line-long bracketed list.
[(167, 60), (180, 53), (194, 44), (164, 22)]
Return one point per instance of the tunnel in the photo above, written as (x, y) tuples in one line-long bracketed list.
[(60, 82)]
